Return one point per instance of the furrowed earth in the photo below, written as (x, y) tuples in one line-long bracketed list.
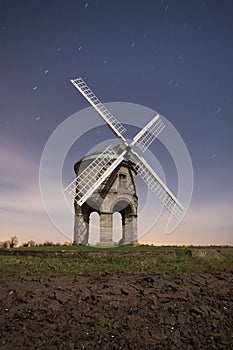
[(167, 310)]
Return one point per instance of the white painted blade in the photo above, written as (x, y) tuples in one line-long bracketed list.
[(112, 122), (86, 183), (158, 187), (148, 134)]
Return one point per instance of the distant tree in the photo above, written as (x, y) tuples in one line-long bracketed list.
[(48, 244), (31, 243), (5, 244), (13, 241), (68, 243)]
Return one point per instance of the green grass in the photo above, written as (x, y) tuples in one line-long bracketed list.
[(94, 249), (151, 263), (127, 248)]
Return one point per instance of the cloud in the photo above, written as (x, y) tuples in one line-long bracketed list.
[(18, 179), (16, 163), (22, 212), (21, 208), (205, 223)]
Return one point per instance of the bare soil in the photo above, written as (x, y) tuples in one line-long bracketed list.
[(117, 311)]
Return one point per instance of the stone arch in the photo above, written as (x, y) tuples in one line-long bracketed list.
[(122, 203), (129, 220), (82, 222)]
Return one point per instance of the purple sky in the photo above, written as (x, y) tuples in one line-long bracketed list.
[(171, 56)]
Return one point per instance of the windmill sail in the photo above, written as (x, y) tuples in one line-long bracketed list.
[(112, 122), (147, 135), (157, 186), (102, 167), (85, 184)]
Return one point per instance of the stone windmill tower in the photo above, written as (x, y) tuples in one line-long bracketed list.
[(116, 194), (106, 181)]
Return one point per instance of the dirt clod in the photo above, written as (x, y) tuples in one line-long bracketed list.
[(119, 311)]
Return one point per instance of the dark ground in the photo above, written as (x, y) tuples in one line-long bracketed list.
[(118, 311)]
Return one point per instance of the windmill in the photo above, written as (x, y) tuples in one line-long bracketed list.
[(89, 180)]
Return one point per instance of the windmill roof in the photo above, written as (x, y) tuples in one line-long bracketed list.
[(93, 155)]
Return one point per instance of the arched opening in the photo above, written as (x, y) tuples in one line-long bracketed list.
[(123, 207), (94, 228), (117, 227), (122, 233)]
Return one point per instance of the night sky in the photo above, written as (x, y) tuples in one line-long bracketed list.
[(175, 57)]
